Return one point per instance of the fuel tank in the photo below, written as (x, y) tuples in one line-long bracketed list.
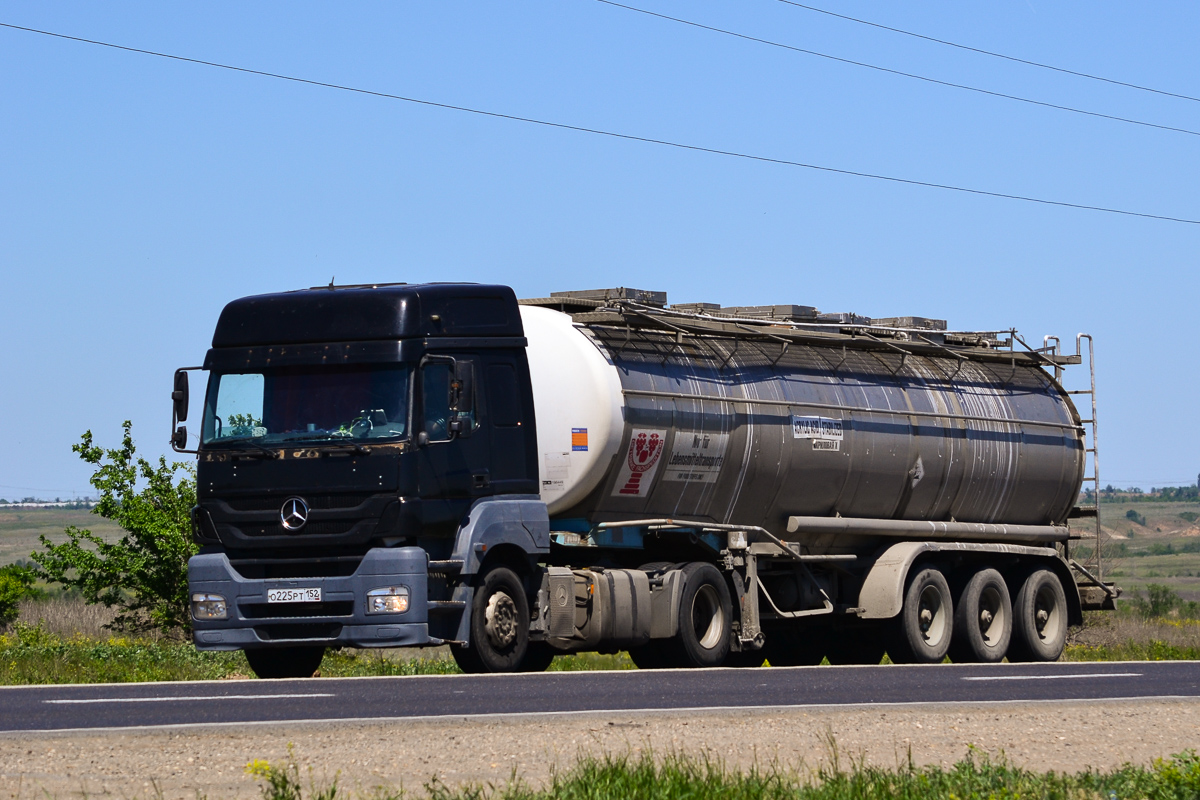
[(644, 423)]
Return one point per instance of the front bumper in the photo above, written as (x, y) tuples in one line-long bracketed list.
[(339, 619)]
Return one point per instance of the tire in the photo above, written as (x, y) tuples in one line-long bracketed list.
[(855, 646), (499, 625), (705, 617), (798, 646), (285, 662), (983, 620), (922, 631), (1039, 619)]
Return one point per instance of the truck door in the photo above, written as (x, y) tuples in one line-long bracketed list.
[(454, 457)]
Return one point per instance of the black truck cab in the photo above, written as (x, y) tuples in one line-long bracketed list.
[(348, 433)]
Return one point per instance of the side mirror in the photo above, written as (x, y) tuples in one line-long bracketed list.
[(180, 396), (422, 438), (179, 410)]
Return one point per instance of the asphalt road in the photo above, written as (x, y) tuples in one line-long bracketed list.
[(136, 705)]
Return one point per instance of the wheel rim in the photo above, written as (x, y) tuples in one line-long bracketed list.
[(500, 620), (1047, 615), (931, 616), (708, 618), (993, 616)]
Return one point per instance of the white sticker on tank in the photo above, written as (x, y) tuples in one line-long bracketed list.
[(640, 463), (696, 457), (556, 469), (826, 444), (817, 428)]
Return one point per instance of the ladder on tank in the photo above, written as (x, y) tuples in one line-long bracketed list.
[(1092, 567)]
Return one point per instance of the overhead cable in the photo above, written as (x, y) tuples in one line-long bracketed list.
[(994, 54), (901, 73), (601, 132)]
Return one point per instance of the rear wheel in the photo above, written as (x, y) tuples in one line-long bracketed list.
[(285, 662), (922, 631), (705, 617), (499, 625), (982, 620), (1039, 619)]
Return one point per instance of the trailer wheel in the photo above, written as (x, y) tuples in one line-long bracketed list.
[(499, 625), (982, 620), (1039, 619), (285, 662), (705, 617), (922, 631)]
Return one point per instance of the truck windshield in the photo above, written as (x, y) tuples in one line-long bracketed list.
[(319, 404)]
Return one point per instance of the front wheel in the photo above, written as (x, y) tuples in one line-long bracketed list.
[(285, 662), (499, 625)]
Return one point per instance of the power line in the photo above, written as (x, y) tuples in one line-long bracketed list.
[(994, 54), (611, 134), (900, 73)]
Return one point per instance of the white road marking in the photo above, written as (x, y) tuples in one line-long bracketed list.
[(190, 697), (1053, 677)]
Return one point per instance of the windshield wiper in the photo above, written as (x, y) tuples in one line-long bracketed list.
[(259, 451)]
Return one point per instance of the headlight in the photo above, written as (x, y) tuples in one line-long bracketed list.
[(388, 600), (209, 606)]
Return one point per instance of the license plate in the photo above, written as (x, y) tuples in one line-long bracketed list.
[(294, 595)]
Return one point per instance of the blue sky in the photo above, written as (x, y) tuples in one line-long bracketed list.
[(138, 195)]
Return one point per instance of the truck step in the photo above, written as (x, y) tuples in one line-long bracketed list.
[(447, 565), (446, 605)]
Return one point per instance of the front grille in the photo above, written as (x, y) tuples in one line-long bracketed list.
[(315, 501), (331, 528), (304, 630), (264, 568), (342, 608)]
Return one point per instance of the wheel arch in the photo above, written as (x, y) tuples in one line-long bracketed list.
[(882, 592)]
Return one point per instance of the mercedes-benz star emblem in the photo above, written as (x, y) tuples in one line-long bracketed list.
[(294, 514)]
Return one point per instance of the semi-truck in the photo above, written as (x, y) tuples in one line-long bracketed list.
[(417, 465)]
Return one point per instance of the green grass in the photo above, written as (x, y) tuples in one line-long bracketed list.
[(20, 528), (679, 777), (31, 654)]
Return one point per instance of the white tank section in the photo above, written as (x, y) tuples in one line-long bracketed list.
[(578, 405)]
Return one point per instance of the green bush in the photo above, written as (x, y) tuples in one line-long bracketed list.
[(144, 575), (16, 583), (1140, 519), (1189, 516)]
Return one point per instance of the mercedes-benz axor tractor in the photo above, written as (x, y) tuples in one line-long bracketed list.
[(402, 465)]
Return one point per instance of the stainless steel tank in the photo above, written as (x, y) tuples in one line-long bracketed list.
[(725, 430)]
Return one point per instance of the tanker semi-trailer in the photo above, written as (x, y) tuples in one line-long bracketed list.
[(397, 465)]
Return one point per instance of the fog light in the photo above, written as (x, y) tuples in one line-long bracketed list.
[(209, 606), (388, 600)]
